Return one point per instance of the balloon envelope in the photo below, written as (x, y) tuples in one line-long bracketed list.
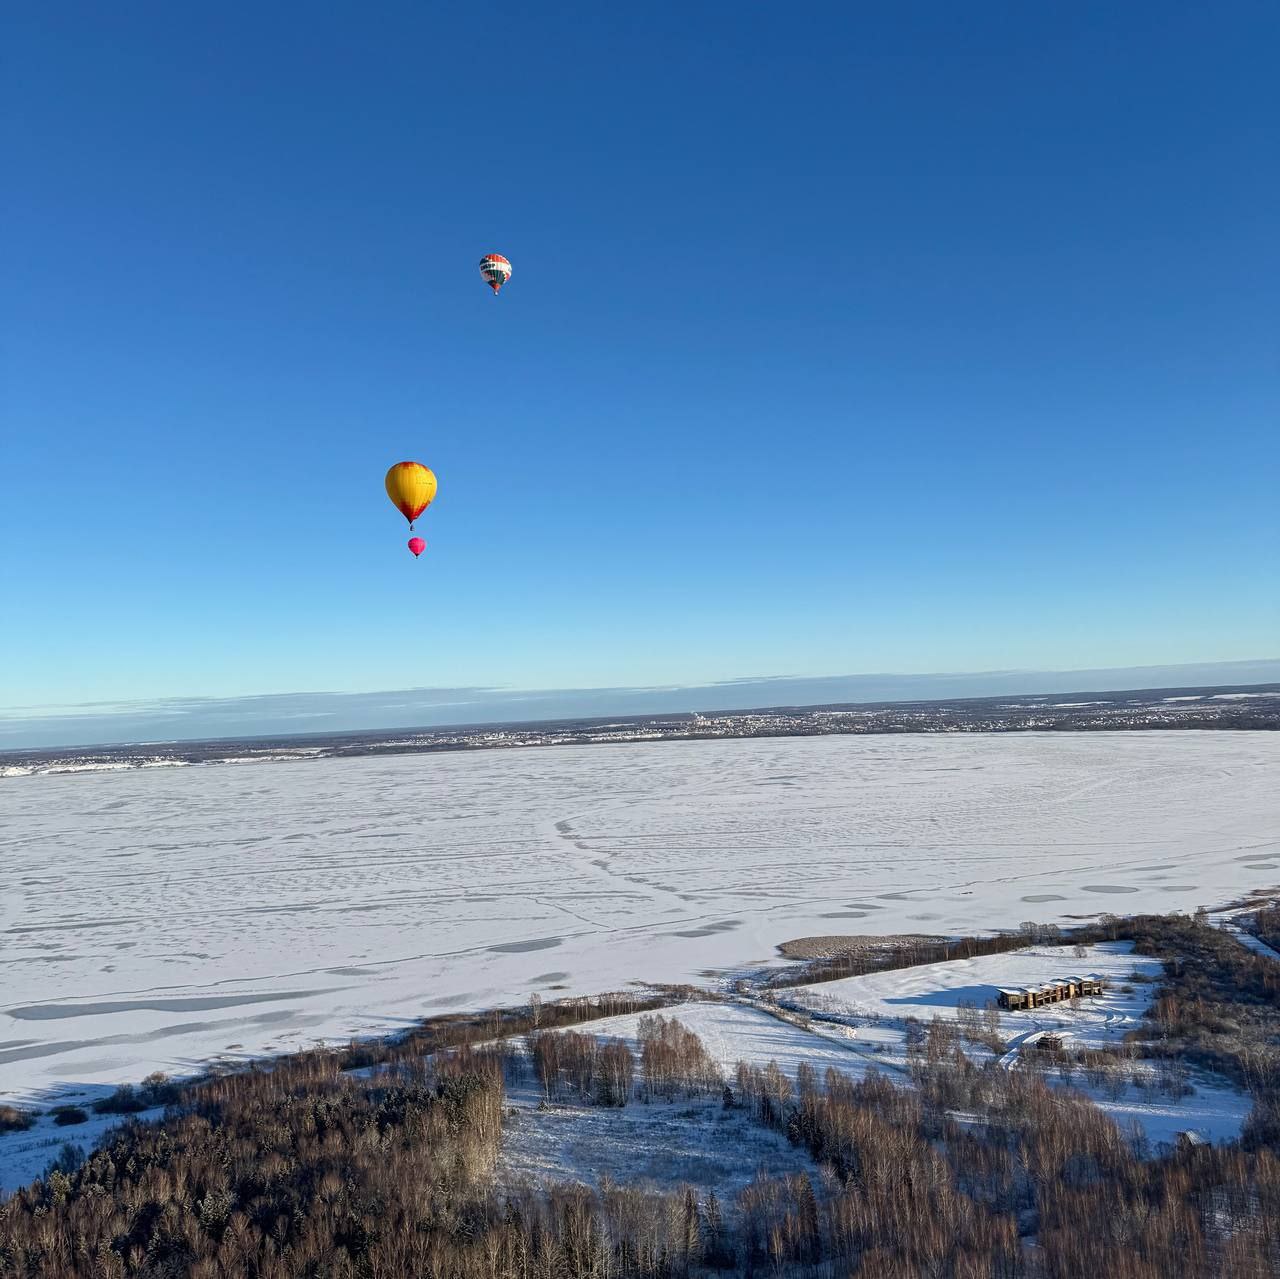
[(495, 270), (417, 546), (410, 486)]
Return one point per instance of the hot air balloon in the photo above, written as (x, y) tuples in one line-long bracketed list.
[(410, 486), (496, 271), (417, 546)]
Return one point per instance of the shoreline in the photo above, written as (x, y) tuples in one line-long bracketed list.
[(1215, 708)]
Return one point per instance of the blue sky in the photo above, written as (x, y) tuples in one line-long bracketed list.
[(919, 337)]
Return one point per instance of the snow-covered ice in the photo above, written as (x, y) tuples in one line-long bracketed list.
[(154, 919)]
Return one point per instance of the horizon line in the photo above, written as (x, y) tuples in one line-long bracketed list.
[(272, 715)]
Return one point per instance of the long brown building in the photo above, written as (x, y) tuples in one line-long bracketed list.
[(1054, 991)]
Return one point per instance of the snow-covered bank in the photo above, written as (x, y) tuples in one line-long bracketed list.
[(158, 919), (1233, 921)]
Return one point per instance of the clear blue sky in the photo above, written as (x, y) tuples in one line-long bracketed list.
[(907, 337)]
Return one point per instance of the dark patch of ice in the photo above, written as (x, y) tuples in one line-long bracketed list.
[(710, 930), (521, 947), (185, 1004)]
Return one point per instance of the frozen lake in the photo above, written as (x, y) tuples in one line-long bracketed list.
[(157, 918)]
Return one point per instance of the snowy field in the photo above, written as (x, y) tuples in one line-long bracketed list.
[(732, 1032), (937, 990), (1216, 1109), (160, 918), (663, 1144)]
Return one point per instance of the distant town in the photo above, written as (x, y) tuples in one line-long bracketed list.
[(1248, 707)]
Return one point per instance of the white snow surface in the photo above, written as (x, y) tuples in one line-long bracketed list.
[(1215, 1111), (155, 919)]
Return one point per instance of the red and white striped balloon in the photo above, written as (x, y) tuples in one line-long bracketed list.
[(495, 270)]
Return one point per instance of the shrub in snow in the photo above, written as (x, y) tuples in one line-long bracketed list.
[(14, 1120), (159, 1090), (124, 1101)]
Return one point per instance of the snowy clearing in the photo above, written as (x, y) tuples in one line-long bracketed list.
[(1215, 1111), (733, 1032), (664, 1144), (161, 918), (930, 990)]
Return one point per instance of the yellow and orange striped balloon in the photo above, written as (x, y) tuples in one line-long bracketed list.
[(411, 488)]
